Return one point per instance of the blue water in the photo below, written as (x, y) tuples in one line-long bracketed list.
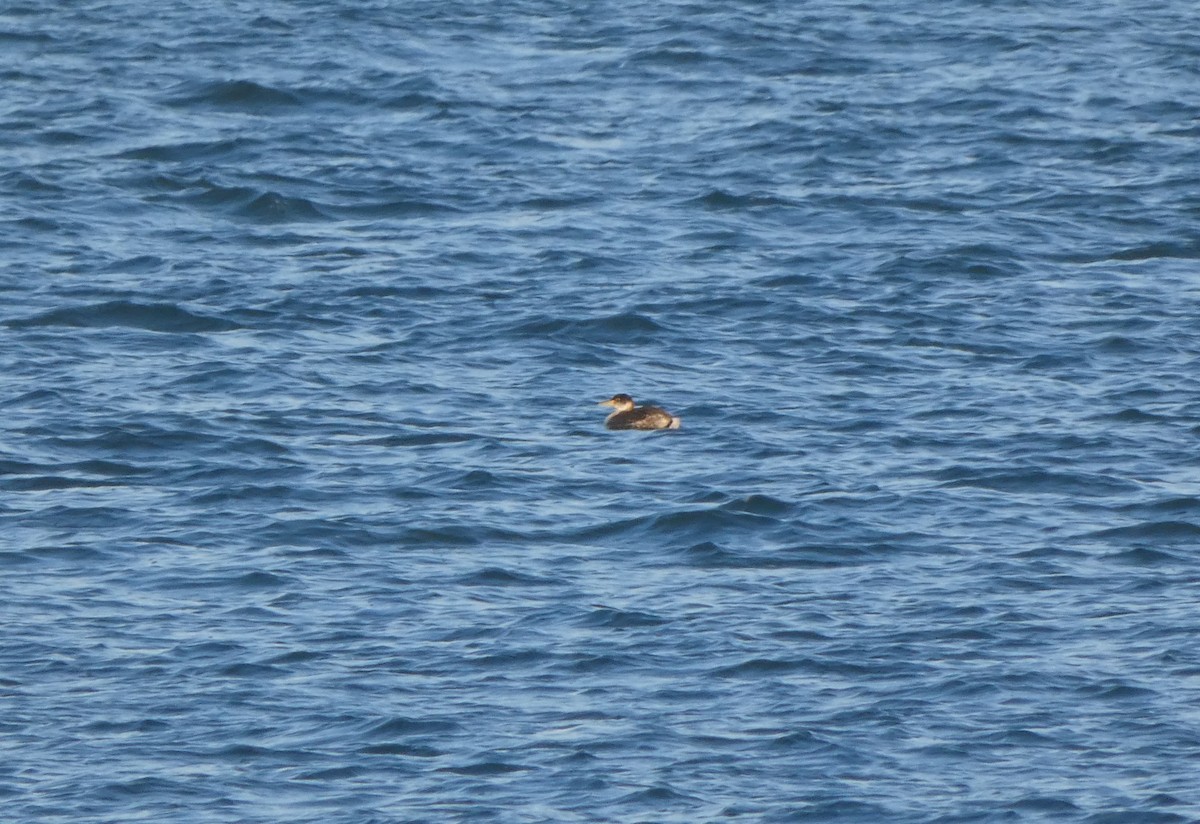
[(307, 513)]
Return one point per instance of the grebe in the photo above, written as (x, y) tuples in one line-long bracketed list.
[(627, 416)]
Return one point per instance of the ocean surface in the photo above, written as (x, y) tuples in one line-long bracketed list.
[(307, 512)]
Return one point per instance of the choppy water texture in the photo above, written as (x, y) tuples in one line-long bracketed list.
[(306, 510)]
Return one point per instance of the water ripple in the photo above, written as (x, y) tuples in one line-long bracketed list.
[(307, 512)]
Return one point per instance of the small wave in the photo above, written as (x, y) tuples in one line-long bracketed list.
[(1146, 557), (1117, 690), (218, 375), (1133, 415), (40, 38), (256, 580), (404, 725), (517, 658), (478, 479), (28, 184), (759, 667), (802, 283), (708, 555), (401, 207), (68, 553), (555, 204), (410, 100), (611, 618), (697, 523), (1038, 481), (1053, 362), (485, 768), (246, 203), (226, 493), (424, 439), (1044, 804), (272, 207), (148, 786), (8, 467), (759, 505), (1184, 504), (627, 327), (1019, 738), (601, 663), (85, 517), (720, 200), (406, 750), (16, 558), (135, 437), (800, 739), (398, 291), (120, 727), (207, 650), (1152, 251), (657, 796), (238, 95), (1119, 345), (251, 670), (846, 810), (34, 225), (151, 317), (297, 657), (498, 577), (671, 54), (46, 483), (139, 265), (240, 753), (188, 150), (1154, 531), (330, 774)]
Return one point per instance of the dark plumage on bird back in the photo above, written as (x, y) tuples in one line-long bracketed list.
[(627, 416)]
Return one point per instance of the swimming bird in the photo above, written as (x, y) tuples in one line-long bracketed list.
[(627, 416)]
